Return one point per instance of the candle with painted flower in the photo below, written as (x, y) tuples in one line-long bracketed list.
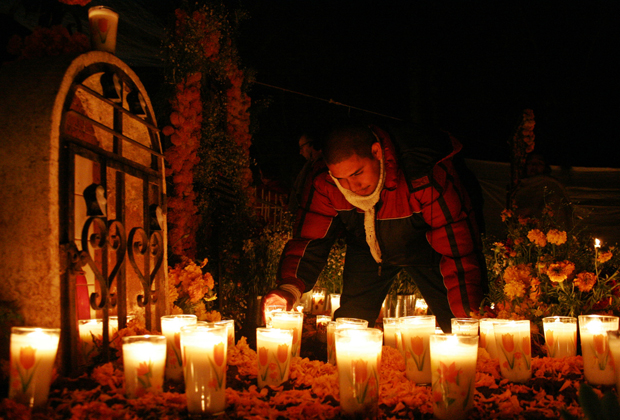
[(89, 331), (598, 368), (453, 367), (270, 309), (335, 302), (359, 354), (33, 353), (416, 331), (144, 360), (487, 336), (171, 328), (338, 324), (391, 332), (205, 352), (465, 326), (514, 348), (290, 320), (560, 336), (274, 355), (103, 27), (613, 338), (421, 307), (318, 300), (321, 327)]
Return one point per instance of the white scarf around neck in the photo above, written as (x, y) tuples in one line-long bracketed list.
[(367, 204)]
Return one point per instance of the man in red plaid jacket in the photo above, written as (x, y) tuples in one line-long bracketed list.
[(401, 204)]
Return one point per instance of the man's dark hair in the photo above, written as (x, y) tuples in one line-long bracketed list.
[(346, 140)]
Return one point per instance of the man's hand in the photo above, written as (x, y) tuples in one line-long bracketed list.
[(278, 296)]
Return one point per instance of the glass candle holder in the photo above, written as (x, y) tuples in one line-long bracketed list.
[(103, 27), (453, 367), (90, 330), (416, 331), (487, 336), (421, 307), (33, 353), (391, 332), (405, 306), (334, 299), (205, 349), (597, 368), (171, 328), (514, 348), (290, 320), (274, 355), (321, 327), (270, 309), (359, 354), (613, 338), (319, 296), (560, 336), (338, 324), (144, 361), (465, 326), (230, 330)]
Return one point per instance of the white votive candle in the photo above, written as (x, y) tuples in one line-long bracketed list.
[(514, 348), (391, 332), (318, 300), (453, 367), (171, 328), (416, 331), (270, 309), (205, 351), (465, 326), (487, 336), (560, 336), (338, 324), (359, 354), (103, 27), (335, 303), (274, 355), (144, 360), (597, 366), (290, 320), (33, 353)]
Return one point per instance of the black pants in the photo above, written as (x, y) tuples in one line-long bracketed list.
[(364, 290)]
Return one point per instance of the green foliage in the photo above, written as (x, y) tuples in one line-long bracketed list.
[(331, 276)]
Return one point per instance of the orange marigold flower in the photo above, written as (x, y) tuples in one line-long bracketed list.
[(585, 281), (27, 357), (508, 342), (514, 289), (506, 214), (417, 345), (556, 237), (604, 256), (558, 272), (537, 237)]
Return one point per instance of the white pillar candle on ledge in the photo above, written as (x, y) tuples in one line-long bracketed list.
[(338, 324), (274, 355), (144, 360), (487, 336), (453, 367), (205, 352), (416, 331), (465, 326), (33, 353), (597, 366), (290, 320), (560, 336), (171, 328), (514, 349), (359, 354), (103, 27), (334, 299)]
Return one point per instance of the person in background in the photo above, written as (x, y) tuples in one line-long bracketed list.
[(310, 150), (539, 189), (397, 198)]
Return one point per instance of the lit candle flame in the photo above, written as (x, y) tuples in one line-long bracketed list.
[(597, 243)]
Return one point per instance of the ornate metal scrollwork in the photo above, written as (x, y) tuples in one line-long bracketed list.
[(141, 245)]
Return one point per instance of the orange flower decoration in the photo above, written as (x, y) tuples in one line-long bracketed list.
[(585, 281), (604, 256), (526, 345), (143, 369), (177, 340), (558, 272), (417, 345), (448, 373), (27, 357), (536, 236), (508, 342), (600, 343), (103, 25), (218, 353), (360, 371), (556, 237), (282, 353), (263, 356)]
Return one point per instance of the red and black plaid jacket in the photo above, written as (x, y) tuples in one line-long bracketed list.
[(429, 221)]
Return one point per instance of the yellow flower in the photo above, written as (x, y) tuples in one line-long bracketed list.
[(558, 272), (604, 256), (537, 237), (514, 289), (585, 281), (517, 280), (556, 237)]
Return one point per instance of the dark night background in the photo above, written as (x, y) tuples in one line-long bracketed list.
[(470, 67)]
